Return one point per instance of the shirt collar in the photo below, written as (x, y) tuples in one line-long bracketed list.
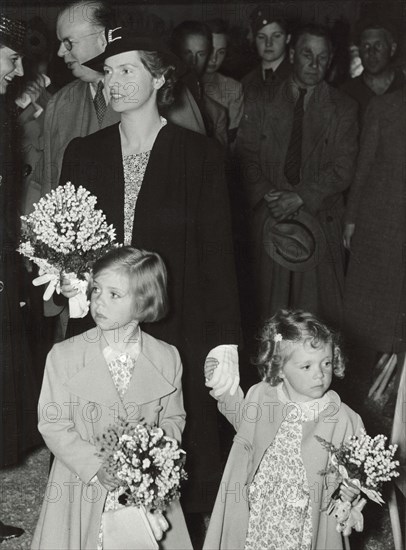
[(111, 353), (310, 410)]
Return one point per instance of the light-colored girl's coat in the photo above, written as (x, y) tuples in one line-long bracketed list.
[(78, 401), (257, 419)]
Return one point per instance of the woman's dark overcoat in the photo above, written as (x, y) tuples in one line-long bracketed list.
[(19, 388), (182, 213)]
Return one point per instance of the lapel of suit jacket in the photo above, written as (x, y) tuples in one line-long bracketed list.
[(395, 112), (278, 122), (94, 383), (317, 118)]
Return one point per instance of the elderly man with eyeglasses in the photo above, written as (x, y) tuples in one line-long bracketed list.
[(81, 107)]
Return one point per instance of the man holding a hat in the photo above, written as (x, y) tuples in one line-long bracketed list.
[(298, 154)]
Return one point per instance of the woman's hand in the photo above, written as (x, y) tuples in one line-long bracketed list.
[(347, 234), (67, 289), (36, 88), (108, 481), (348, 491), (158, 524)]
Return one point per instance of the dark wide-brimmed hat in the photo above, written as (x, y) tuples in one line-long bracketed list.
[(298, 243), (12, 34), (124, 39)]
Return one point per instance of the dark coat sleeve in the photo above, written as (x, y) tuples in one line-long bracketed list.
[(338, 162), (255, 183), (216, 252), (368, 147), (73, 166)]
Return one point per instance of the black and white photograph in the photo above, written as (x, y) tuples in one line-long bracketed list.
[(203, 275)]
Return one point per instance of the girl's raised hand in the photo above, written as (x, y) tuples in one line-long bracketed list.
[(209, 365), (108, 481)]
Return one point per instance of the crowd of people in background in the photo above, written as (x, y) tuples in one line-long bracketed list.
[(280, 189)]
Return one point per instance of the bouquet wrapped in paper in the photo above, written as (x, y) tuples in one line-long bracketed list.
[(363, 462), (148, 464), (64, 236)]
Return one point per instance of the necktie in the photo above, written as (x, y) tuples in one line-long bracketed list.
[(293, 159), (100, 103), (269, 75)]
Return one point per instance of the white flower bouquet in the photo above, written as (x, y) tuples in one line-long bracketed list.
[(362, 462), (148, 463), (64, 236)]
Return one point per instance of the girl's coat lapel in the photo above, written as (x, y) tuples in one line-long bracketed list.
[(94, 383)]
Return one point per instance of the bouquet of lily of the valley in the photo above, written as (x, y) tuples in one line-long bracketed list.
[(64, 236), (148, 463), (363, 462)]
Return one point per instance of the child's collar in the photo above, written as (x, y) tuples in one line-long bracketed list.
[(111, 353), (310, 410)]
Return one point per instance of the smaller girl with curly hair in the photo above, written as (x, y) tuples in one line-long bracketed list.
[(272, 493)]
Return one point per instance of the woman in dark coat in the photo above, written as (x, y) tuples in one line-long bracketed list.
[(18, 418), (163, 189), (17, 380)]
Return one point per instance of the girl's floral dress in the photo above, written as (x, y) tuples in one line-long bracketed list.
[(279, 495), (121, 366)]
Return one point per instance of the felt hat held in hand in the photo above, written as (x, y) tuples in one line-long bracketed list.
[(298, 243)]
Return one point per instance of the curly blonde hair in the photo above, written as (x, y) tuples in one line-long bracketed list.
[(293, 326)]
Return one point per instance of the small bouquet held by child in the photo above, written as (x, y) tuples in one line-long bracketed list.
[(64, 236), (149, 466), (362, 462)]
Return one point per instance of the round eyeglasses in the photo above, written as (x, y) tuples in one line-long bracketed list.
[(68, 43)]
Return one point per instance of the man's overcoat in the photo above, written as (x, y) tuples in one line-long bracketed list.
[(329, 149)]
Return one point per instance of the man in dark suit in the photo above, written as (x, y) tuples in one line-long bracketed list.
[(192, 42), (298, 152)]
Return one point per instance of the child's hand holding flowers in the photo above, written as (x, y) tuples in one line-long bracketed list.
[(109, 481), (144, 462), (349, 491), (360, 465)]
